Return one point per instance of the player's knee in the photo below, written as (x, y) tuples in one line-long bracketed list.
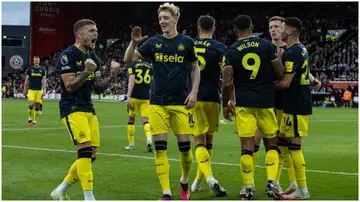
[(160, 145), (85, 152), (294, 146), (184, 146), (200, 145), (282, 142), (246, 152), (131, 120), (209, 146), (257, 147), (276, 148)]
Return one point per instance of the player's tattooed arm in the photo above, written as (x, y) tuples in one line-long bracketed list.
[(227, 91), (100, 85), (195, 77), (72, 82), (314, 82)]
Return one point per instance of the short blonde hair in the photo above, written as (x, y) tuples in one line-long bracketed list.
[(170, 7), (277, 18)]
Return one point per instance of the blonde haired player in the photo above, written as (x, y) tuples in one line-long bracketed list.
[(174, 60), (79, 74), (35, 88)]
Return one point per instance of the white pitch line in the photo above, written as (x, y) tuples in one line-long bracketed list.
[(58, 128), (170, 159), (122, 126)]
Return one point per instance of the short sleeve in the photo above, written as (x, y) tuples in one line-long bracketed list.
[(292, 63), (130, 68), (221, 50), (145, 49), (44, 72), (65, 64), (28, 71), (227, 59), (272, 53), (191, 56)]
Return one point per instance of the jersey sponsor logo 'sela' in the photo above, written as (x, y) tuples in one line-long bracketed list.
[(36, 74), (161, 57)]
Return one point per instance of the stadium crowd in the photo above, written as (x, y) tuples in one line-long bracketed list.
[(330, 58)]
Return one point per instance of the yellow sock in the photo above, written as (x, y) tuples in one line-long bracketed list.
[(36, 114), (30, 113), (147, 129), (255, 157), (290, 167), (72, 175), (199, 174), (162, 167), (84, 171), (131, 132), (299, 164), (186, 159), (284, 151), (203, 159), (210, 151), (272, 162), (246, 166)]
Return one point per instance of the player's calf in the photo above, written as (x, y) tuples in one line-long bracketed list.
[(186, 161), (162, 167), (147, 129), (131, 134), (84, 171)]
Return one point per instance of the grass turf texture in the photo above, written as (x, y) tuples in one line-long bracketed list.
[(36, 159)]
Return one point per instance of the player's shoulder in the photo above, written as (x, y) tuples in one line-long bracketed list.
[(217, 44), (262, 41), (296, 47), (185, 37), (94, 56), (67, 55)]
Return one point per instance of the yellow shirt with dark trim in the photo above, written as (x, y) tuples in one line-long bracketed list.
[(142, 72), (36, 75), (171, 59), (251, 60), (277, 94), (297, 99), (209, 52), (72, 60)]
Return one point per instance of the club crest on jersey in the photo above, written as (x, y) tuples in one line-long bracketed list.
[(181, 47), (158, 45)]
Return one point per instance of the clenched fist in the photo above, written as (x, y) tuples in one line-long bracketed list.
[(90, 65), (115, 68)]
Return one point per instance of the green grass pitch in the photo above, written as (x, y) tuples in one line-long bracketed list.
[(36, 159)]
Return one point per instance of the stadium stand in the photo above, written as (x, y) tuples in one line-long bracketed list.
[(333, 58)]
